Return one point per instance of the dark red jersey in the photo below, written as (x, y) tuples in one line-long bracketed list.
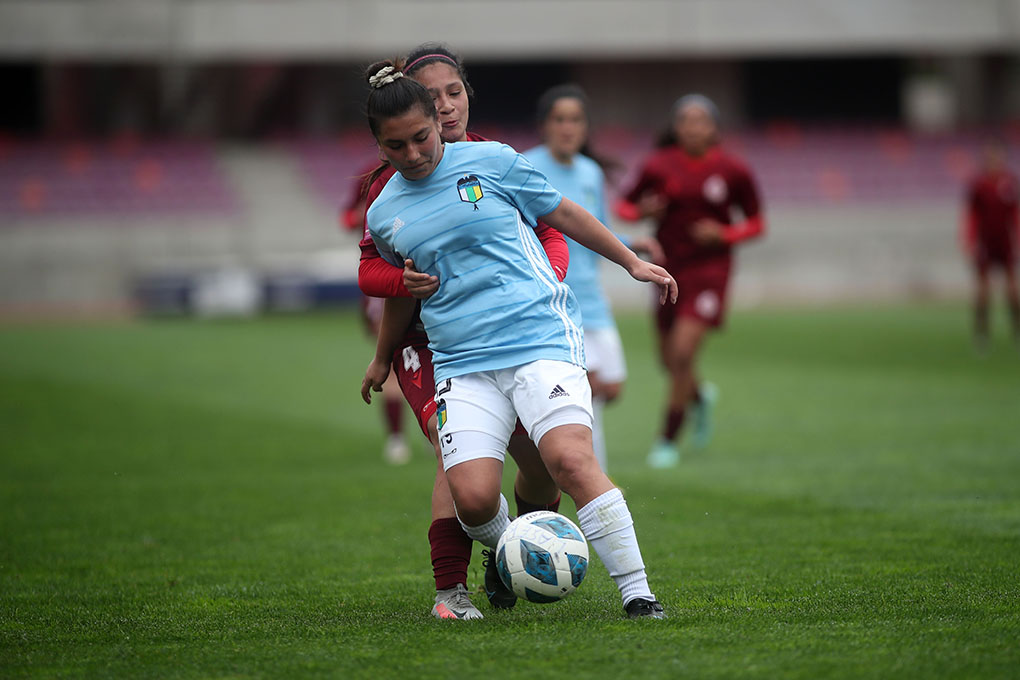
[(696, 188), (992, 217)]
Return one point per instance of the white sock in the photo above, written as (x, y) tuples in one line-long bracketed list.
[(608, 526), (488, 534), (598, 438)]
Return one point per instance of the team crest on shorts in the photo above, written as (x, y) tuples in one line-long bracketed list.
[(441, 414), (707, 304), (470, 190)]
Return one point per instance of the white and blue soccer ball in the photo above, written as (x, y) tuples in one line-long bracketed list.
[(542, 556)]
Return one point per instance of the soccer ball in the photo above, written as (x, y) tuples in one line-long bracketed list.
[(542, 556)]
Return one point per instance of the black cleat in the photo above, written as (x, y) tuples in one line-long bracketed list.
[(499, 595), (641, 608)]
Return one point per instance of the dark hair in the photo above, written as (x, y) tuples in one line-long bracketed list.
[(668, 136), (544, 107), (393, 94), (432, 53)]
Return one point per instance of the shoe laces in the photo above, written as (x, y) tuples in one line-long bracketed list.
[(459, 597), (486, 556)]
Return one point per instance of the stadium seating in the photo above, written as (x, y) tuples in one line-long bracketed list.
[(132, 178), (126, 178), (793, 165)]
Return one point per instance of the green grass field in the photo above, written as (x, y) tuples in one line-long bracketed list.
[(208, 500)]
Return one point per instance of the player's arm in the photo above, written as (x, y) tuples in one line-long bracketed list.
[(750, 228), (710, 232), (746, 194), (422, 285), (583, 227), (642, 200), (377, 277), (555, 247), (969, 225), (1015, 218), (648, 245), (968, 232), (398, 313)]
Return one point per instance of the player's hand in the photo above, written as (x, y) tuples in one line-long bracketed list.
[(653, 273), (650, 247), (375, 376), (707, 232), (652, 205), (418, 284)]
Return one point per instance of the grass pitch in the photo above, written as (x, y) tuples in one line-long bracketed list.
[(208, 499)]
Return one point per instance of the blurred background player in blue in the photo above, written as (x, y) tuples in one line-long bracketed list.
[(566, 159)]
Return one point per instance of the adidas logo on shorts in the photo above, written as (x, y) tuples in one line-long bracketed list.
[(558, 392)]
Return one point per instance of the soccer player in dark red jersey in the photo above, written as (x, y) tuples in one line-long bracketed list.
[(352, 216), (440, 70), (991, 235), (690, 186)]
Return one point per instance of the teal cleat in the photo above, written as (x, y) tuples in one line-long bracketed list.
[(663, 455), (704, 412)]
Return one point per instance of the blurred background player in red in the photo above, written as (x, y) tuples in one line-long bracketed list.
[(395, 450), (440, 70), (690, 187), (991, 233)]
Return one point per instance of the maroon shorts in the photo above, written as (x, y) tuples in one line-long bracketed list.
[(412, 364), (1002, 256), (702, 290)]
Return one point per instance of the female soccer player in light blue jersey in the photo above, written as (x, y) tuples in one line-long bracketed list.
[(566, 161), (504, 332)]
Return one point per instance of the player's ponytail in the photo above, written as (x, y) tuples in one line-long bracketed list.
[(392, 94), (384, 76)]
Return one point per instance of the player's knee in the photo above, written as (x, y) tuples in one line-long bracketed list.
[(525, 454), (571, 467), (681, 360), (474, 507)]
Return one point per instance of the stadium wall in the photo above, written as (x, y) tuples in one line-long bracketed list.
[(500, 29)]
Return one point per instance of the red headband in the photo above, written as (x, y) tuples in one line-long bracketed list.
[(430, 56)]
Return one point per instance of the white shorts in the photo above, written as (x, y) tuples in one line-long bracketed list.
[(476, 413), (604, 354)]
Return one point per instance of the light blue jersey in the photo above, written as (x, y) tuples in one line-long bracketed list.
[(471, 223), (582, 182)]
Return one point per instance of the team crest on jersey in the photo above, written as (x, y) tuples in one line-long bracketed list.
[(715, 189), (470, 190)]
